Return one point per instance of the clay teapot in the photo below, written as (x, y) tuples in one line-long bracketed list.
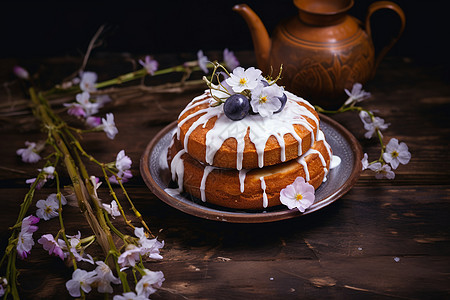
[(322, 49)]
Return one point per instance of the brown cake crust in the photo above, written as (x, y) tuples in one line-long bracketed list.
[(225, 157), (222, 186)]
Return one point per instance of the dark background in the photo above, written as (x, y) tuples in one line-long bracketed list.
[(37, 29)]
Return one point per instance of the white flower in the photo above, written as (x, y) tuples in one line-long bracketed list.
[(90, 108), (75, 245), (130, 256), (30, 154), (396, 153), (47, 209), (123, 162), (80, 279), (112, 209), (104, 277), (230, 59), (149, 283), (109, 126), (365, 161), (88, 80), (372, 124), (24, 244), (356, 95), (202, 61), (382, 171), (129, 296), (21, 72), (49, 244), (54, 197), (299, 194), (265, 99), (48, 173), (242, 79), (148, 247), (149, 64)]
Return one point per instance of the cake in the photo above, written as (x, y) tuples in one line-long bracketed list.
[(244, 140)]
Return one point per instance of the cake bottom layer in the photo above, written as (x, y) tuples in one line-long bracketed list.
[(246, 189)]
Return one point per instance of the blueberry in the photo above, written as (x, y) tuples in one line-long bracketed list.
[(236, 107), (283, 100)]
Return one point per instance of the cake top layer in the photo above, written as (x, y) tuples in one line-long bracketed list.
[(298, 119)]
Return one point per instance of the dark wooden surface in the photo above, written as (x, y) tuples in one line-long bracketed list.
[(385, 239)]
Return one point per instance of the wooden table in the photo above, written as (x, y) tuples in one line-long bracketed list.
[(385, 239)]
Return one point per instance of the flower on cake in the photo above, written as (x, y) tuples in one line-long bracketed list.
[(299, 194), (265, 99), (396, 153), (241, 79)]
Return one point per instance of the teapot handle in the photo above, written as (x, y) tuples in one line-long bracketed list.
[(372, 9)]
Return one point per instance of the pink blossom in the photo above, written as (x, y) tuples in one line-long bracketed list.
[(75, 109), (24, 244), (21, 72), (299, 194), (49, 244), (202, 61), (230, 59), (28, 224), (149, 64), (93, 122)]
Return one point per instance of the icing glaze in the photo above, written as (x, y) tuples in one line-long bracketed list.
[(260, 129), (263, 187)]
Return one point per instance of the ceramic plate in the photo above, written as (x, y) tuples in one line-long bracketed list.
[(155, 172)]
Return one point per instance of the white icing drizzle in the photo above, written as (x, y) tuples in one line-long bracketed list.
[(177, 169), (263, 187), (206, 172), (335, 161), (260, 131), (242, 175), (305, 168)]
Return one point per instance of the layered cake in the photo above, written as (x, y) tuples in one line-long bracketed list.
[(244, 140)]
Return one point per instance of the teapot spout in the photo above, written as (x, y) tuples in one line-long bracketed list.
[(260, 37)]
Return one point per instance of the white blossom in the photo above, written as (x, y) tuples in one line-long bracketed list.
[(382, 171), (109, 126), (81, 279), (241, 79), (104, 277), (112, 209), (265, 99), (129, 296), (88, 80), (149, 247), (149, 283), (24, 244), (202, 61), (130, 256), (396, 153), (356, 95), (372, 124), (299, 194), (365, 161), (21, 72), (47, 209), (30, 154)]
